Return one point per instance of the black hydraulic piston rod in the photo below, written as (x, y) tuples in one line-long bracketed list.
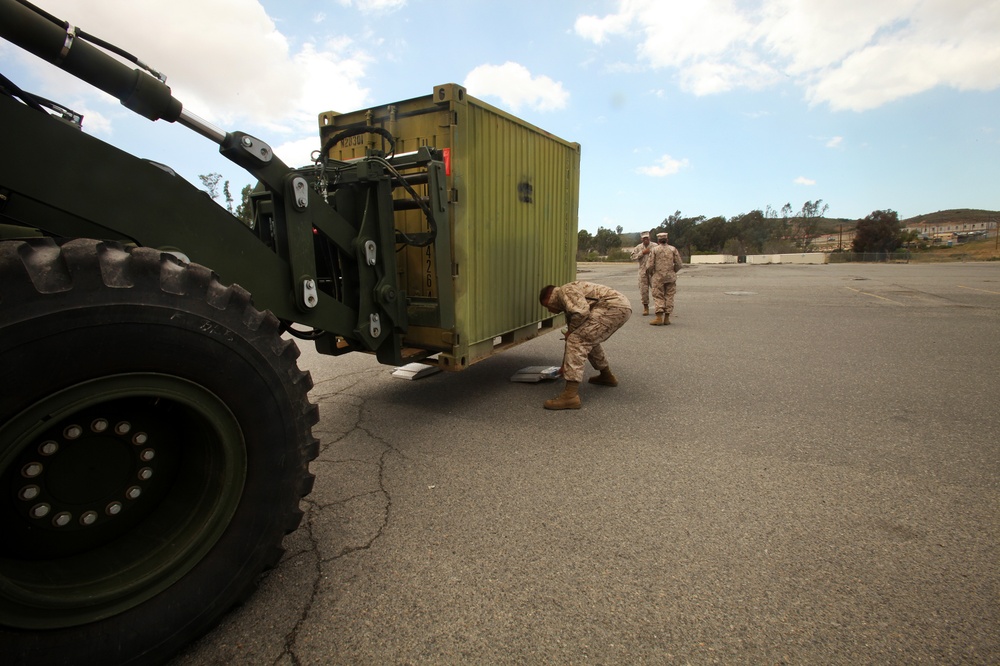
[(57, 42)]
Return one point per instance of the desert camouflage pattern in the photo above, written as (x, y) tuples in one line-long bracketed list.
[(593, 313), (644, 268), (665, 263)]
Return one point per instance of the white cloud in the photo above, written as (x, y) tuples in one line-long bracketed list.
[(374, 6), (226, 61), (665, 166), (852, 54), (596, 29), (683, 32), (96, 122), (708, 77), (516, 87), (297, 153), (333, 82), (835, 142), (802, 180)]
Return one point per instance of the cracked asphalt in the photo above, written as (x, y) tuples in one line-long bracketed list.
[(804, 468)]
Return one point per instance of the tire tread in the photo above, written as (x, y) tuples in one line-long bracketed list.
[(57, 267)]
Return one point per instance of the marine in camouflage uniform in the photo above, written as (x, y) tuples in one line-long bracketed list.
[(593, 312), (643, 253), (665, 263)]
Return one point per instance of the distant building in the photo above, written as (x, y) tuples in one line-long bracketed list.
[(953, 233)]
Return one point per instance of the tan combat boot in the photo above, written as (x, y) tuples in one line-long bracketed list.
[(658, 321), (666, 319), (568, 399), (605, 378), (645, 310)]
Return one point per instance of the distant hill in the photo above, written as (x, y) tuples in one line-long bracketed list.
[(940, 218), (832, 225), (954, 216)]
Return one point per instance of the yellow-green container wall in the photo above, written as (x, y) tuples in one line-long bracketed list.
[(514, 197)]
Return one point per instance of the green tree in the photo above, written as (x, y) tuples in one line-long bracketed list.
[(243, 210), (785, 222), (906, 237), (881, 231), (755, 229), (714, 233), (584, 241), (606, 240), (806, 223), (734, 247), (210, 183), (684, 232), (228, 196)]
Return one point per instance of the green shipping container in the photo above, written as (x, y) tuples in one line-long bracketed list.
[(513, 195)]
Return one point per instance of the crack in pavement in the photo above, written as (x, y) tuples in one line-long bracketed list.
[(348, 511), (352, 434)]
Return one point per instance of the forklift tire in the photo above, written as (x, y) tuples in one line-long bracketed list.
[(155, 439)]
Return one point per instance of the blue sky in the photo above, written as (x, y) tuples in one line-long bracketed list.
[(707, 107)]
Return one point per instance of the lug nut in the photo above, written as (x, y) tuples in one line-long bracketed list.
[(147, 455), (31, 470), (29, 493), (88, 518), (133, 492), (40, 510), (140, 438), (99, 425), (48, 448), (62, 519), (145, 473), (123, 428), (113, 509)]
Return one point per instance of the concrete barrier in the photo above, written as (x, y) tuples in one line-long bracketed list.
[(801, 258), (712, 259)]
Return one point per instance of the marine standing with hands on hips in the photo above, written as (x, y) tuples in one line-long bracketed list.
[(641, 253), (666, 261), (593, 313)]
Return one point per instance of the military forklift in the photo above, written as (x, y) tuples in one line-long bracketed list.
[(155, 430)]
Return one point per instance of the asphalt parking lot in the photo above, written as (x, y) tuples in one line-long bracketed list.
[(802, 469)]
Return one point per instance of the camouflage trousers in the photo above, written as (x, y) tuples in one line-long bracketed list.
[(644, 286), (584, 343), (663, 296)]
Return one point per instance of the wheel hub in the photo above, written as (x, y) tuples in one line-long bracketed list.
[(115, 488), (84, 473)]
